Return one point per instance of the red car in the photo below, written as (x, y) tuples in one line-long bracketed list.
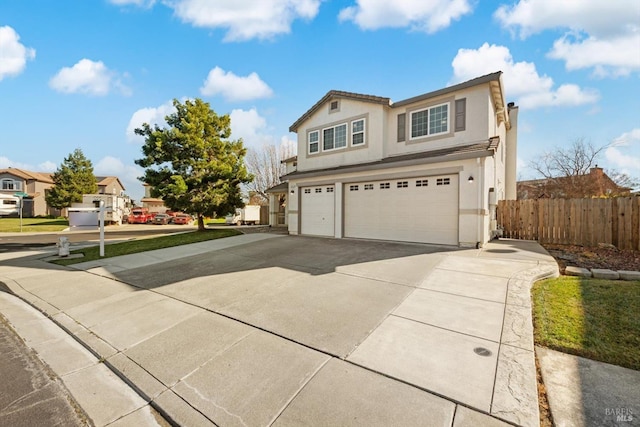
[(182, 219), (140, 216)]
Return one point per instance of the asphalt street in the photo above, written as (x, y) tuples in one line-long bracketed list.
[(14, 242), (30, 393)]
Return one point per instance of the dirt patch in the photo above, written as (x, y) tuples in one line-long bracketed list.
[(604, 256)]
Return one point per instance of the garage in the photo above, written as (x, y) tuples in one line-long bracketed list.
[(318, 210), (423, 209)]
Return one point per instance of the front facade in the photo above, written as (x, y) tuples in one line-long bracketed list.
[(33, 184), (427, 169)]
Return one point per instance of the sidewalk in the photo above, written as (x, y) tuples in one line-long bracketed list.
[(129, 327)]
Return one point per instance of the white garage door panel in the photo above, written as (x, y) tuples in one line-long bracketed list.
[(317, 211), (426, 213)]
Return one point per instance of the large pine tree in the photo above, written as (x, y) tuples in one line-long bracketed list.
[(191, 163), (71, 180)]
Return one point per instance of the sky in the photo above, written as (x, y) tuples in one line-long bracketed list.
[(85, 73)]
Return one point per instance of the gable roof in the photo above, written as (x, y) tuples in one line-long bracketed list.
[(103, 181), (493, 78), (29, 175), (337, 94)]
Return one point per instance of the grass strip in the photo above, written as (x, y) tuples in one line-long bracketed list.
[(135, 246), (31, 225), (593, 318)]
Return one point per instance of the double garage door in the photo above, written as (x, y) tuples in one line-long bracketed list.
[(423, 209)]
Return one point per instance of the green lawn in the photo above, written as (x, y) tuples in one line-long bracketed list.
[(142, 245), (216, 221), (12, 225), (597, 319)]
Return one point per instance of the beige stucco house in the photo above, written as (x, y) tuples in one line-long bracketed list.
[(34, 184), (426, 169)]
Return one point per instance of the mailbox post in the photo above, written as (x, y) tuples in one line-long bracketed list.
[(21, 195)]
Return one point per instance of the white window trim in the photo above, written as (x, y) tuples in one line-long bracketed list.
[(363, 132), (346, 125), (309, 142), (16, 185), (428, 109)]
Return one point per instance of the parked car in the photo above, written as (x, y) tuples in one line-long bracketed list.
[(161, 219), (182, 219), (140, 216)]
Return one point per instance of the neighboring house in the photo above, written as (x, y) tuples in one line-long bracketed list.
[(155, 205), (594, 184), (426, 169), (110, 185), (34, 184)]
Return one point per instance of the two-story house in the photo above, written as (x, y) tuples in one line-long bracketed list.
[(33, 184), (426, 169)]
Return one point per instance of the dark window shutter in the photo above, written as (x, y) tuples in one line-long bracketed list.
[(401, 127), (461, 114)]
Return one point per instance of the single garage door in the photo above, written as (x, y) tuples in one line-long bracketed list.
[(317, 211), (410, 210)]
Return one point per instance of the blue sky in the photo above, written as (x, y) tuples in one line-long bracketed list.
[(85, 73)]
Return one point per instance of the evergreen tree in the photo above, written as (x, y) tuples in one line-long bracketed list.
[(191, 164), (71, 180)]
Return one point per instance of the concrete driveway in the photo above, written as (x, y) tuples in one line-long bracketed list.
[(277, 330)]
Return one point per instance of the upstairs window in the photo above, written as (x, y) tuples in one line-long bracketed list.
[(334, 137), (430, 121), (314, 142), (357, 132), (10, 184)]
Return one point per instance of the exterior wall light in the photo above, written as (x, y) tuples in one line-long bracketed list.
[(470, 180)]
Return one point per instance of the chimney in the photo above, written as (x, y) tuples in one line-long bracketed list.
[(596, 172)]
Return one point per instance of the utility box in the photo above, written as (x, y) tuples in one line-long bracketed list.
[(63, 246)]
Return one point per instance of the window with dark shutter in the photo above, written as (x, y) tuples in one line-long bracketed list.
[(461, 114), (401, 127)]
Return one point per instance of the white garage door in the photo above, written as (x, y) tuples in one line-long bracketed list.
[(409, 210), (317, 210)]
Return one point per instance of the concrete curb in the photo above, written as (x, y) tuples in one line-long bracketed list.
[(76, 365), (515, 397)]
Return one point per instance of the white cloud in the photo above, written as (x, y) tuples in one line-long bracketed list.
[(13, 54), (47, 166), (87, 77), (251, 127), (235, 88), (139, 3), (127, 173), (151, 115), (624, 153), (615, 56), (521, 79), (246, 19), (601, 35), (420, 15), (5, 162)]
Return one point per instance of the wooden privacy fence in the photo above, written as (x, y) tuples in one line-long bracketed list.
[(584, 222)]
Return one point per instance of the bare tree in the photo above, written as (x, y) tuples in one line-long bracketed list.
[(572, 172), (266, 166), (575, 160)]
